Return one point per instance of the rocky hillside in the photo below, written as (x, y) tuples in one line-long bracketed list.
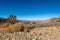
[(13, 29)]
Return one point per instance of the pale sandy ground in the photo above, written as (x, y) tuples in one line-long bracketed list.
[(42, 33), (47, 33)]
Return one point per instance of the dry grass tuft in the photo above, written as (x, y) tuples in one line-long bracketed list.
[(16, 27)]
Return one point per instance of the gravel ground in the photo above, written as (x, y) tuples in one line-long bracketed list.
[(43, 33)]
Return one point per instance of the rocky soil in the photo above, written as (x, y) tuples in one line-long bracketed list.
[(43, 33)]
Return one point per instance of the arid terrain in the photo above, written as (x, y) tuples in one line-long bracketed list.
[(13, 29)]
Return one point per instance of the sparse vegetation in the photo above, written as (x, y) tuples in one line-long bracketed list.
[(16, 27), (10, 24), (11, 29)]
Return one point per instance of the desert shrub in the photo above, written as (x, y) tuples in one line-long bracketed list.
[(13, 28), (26, 26), (5, 25), (11, 19), (58, 20), (23, 27), (16, 27)]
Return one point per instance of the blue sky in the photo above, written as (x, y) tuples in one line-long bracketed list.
[(30, 9)]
